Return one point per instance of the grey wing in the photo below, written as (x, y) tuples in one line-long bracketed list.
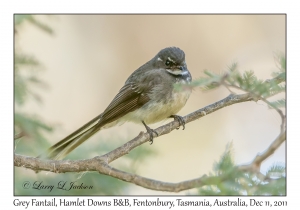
[(129, 98)]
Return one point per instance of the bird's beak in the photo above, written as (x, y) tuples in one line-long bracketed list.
[(182, 68)]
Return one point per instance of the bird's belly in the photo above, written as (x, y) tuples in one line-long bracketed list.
[(155, 111)]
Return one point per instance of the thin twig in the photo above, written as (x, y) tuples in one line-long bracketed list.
[(282, 116), (255, 164)]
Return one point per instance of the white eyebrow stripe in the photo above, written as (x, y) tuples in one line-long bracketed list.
[(171, 59), (159, 59)]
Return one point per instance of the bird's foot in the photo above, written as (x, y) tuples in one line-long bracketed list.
[(180, 120), (150, 131)]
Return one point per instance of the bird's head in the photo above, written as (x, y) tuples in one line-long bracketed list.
[(172, 59)]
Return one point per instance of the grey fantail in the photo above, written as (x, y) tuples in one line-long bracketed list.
[(148, 96)]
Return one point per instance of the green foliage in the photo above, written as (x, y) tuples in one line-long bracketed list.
[(231, 181), (31, 126), (250, 83), (247, 82), (20, 19), (206, 83), (226, 161), (278, 104), (26, 69), (281, 62), (26, 80)]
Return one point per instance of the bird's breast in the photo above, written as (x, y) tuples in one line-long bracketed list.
[(160, 108)]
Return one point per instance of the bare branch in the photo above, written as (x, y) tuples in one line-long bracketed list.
[(165, 129), (100, 163), (96, 164), (256, 163)]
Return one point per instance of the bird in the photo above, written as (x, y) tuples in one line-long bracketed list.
[(148, 96)]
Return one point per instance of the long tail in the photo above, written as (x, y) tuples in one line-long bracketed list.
[(69, 143)]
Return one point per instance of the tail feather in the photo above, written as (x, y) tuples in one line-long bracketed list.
[(69, 143)]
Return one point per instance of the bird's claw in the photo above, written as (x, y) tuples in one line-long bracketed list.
[(180, 121), (150, 132)]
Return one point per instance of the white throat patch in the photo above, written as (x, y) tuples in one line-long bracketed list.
[(177, 72)]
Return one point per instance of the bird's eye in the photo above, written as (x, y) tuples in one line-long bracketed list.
[(168, 63)]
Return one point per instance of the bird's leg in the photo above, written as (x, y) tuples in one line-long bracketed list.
[(150, 131), (180, 120)]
